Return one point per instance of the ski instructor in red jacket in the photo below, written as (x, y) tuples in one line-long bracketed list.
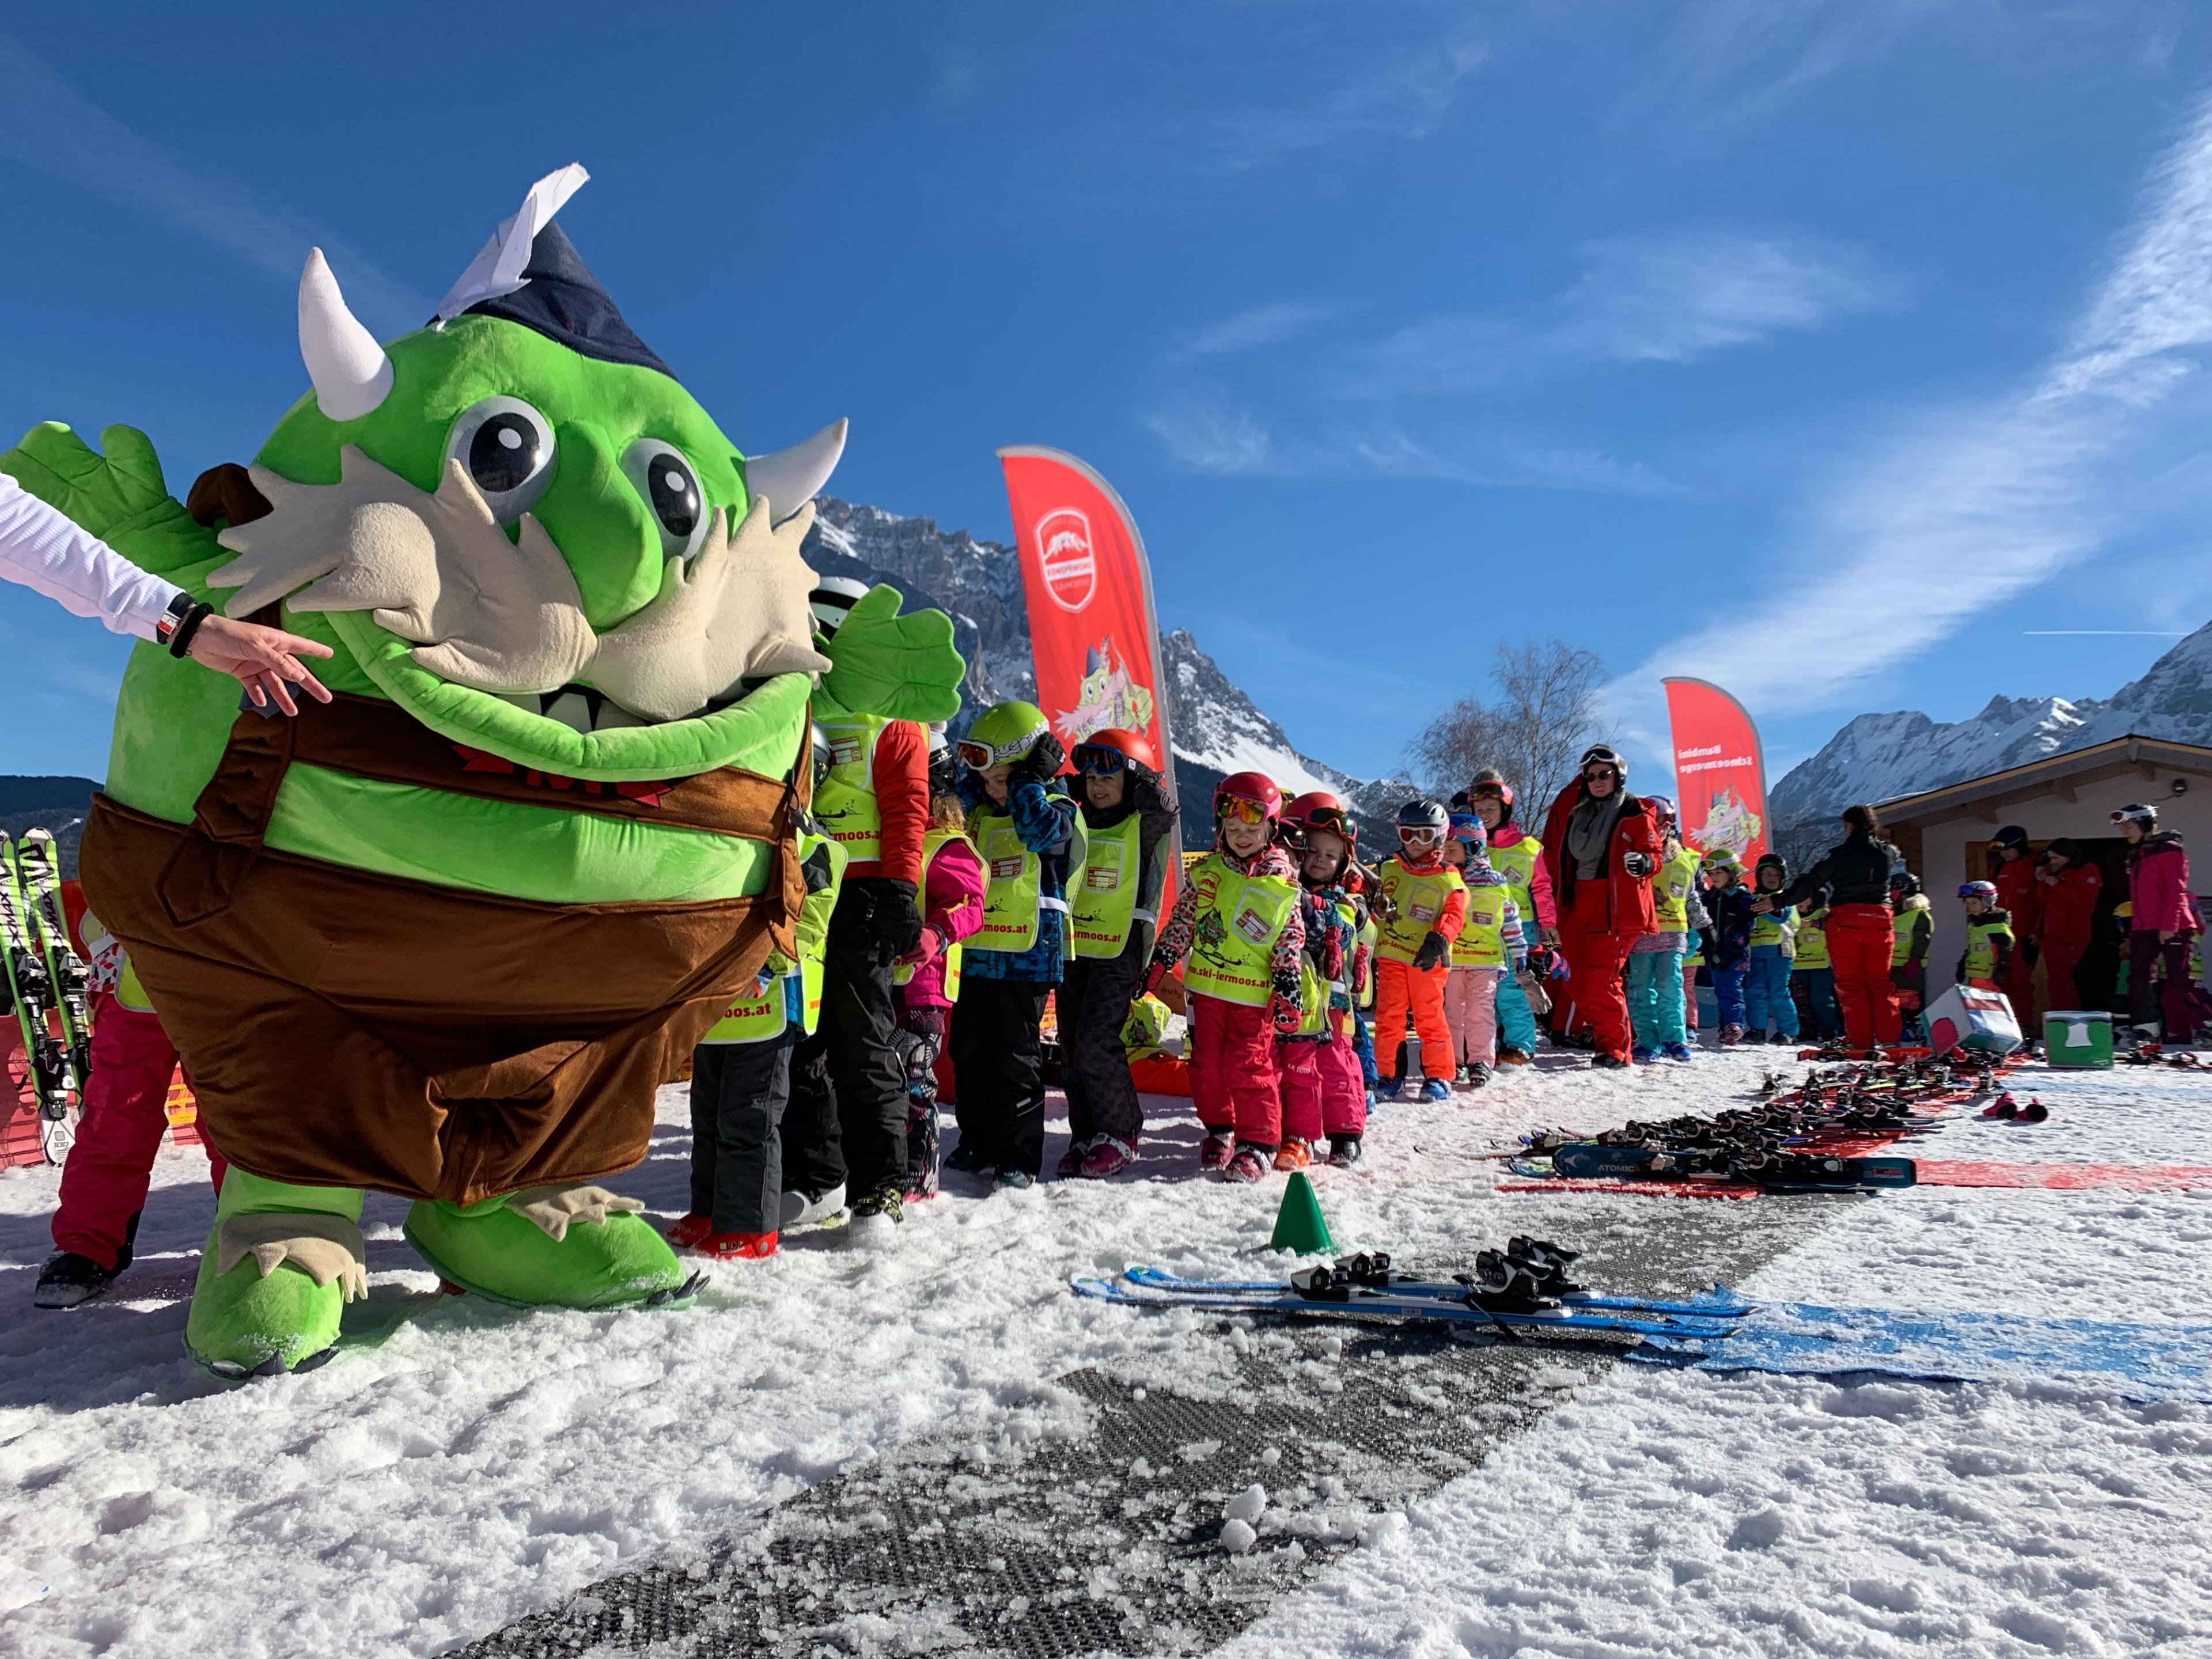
[(1602, 847)]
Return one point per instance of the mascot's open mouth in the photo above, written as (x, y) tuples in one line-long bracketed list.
[(484, 638)]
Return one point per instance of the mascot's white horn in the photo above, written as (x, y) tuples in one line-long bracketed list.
[(790, 476), (350, 372)]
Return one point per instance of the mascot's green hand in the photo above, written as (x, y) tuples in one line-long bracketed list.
[(119, 496), (902, 668)]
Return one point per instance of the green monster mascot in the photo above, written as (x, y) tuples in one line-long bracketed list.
[(444, 937)]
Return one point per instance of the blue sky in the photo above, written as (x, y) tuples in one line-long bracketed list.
[(1824, 350)]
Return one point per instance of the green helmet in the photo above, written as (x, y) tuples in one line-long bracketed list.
[(1004, 732)]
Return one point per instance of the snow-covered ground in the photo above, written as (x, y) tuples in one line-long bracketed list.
[(463, 1465)]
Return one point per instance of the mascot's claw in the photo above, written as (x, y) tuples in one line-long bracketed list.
[(328, 1248), (553, 1208)]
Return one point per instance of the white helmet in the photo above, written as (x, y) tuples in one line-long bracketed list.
[(832, 598)]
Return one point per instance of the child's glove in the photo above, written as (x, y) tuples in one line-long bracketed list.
[(1432, 952), (1042, 761)]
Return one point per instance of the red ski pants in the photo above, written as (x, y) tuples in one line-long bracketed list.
[(2061, 957), (1596, 958), (1323, 1090), (105, 1177), (1233, 1085), (1861, 938), (1400, 987)]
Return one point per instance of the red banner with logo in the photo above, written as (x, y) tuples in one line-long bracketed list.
[(1720, 770), (1093, 632)]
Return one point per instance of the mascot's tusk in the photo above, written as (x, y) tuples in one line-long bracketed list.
[(790, 478), (350, 372)]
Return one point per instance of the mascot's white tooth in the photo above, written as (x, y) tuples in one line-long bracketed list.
[(350, 372), (790, 478), (572, 711)]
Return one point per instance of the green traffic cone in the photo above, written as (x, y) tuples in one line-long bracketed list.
[(1300, 1227)]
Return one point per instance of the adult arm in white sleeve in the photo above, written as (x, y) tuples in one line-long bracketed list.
[(49, 553)]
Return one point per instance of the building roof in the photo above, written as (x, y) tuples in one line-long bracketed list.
[(2060, 774)]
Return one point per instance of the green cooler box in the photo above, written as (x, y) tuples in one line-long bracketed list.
[(2078, 1037)]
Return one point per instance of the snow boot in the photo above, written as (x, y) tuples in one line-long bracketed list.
[(279, 1265), (689, 1232), (1013, 1181), (1217, 1149), (1344, 1151), (1106, 1157), (1642, 1055), (738, 1247), (967, 1159), (558, 1247), (1478, 1075), (876, 1217), (1070, 1161), (806, 1210), (1390, 1088), (921, 1126), (1436, 1089), (2003, 1106), (1731, 1035), (68, 1278), (1293, 1155), (2034, 1112), (1248, 1165), (1514, 1057), (1679, 1051), (1602, 1061)]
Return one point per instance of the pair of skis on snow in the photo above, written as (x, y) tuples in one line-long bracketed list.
[(46, 984), (1325, 1293), (1800, 1170)]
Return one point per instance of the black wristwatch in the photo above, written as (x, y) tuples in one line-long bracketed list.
[(175, 626)]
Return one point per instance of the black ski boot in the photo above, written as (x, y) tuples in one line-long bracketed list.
[(68, 1278)]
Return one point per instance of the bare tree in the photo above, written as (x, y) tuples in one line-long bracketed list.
[(1544, 716)]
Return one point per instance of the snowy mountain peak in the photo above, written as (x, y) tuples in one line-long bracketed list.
[(1881, 756), (1216, 729)]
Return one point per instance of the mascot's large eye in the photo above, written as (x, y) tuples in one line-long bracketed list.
[(507, 448), (670, 486)]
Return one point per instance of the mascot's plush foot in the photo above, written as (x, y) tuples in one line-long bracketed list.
[(282, 1262), (552, 1247)]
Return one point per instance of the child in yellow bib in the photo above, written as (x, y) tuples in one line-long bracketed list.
[(1237, 931)]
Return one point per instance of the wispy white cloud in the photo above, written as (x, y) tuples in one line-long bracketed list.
[(46, 123), (1403, 95), (1671, 298), (1257, 328), (1206, 433), (1725, 61), (959, 72), (1971, 506)]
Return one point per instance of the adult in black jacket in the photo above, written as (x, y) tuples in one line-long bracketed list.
[(1859, 926)]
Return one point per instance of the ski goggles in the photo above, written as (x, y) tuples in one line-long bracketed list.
[(1237, 810), (1328, 818), (1496, 791), (976, 755), (1096, 759), (1413, 835)]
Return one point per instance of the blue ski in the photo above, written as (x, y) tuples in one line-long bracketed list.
[(1289, 1304), (1718, 1303)]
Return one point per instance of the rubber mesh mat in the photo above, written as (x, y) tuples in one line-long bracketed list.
[(1111, 1543)]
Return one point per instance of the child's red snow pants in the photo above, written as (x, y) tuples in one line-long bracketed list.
[(1233, 1085), (104, 1178), (1399, 986), (1323, 1091)]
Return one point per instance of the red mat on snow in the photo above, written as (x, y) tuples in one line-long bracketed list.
[(2069, 1177)]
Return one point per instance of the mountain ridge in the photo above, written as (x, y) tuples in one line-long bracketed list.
[(1216, 728), (1883, 757)]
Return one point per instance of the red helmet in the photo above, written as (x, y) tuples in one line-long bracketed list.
[(1110, 740), (1255, 786), (1319, 809)]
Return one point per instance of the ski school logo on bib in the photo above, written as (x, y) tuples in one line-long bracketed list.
[(1253, 925), (1422, 912), (1064, 555)]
